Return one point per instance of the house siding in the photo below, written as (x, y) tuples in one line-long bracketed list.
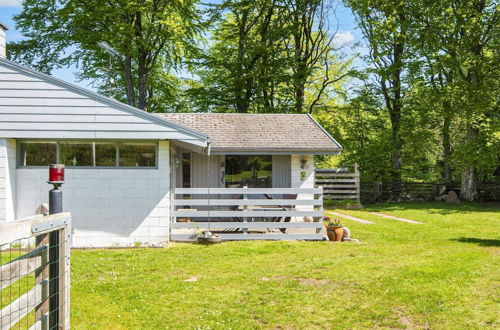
[(7, 179), (109, 207), (282, 171), (36, 107), (296, 177), (203, 175)]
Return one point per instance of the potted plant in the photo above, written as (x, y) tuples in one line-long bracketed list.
[(208, 238), (334, 229)]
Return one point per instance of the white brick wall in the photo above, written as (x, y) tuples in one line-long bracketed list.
[(7, 179), (109, 207)]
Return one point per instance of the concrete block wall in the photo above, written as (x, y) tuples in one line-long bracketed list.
[(7, 179), (306, 181), (109, 207)]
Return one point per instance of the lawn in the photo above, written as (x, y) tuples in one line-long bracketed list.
[(442, 274)]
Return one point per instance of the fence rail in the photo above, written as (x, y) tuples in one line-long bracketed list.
[(339, 183), (239, 212), (35, 273), (374, 192)]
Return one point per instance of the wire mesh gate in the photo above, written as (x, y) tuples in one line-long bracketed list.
[(34, 272)]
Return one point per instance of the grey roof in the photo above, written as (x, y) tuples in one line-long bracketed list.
[(270, 133)]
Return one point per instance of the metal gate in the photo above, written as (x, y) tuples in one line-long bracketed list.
[(34, 272)]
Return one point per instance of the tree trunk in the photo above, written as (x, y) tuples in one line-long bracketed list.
[(469, 183), (469, 174), (397, 147), (240, 80), (446, 143), (129, 83)]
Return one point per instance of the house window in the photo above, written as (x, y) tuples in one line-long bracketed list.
[(37, 153), (105, 154), (251, 171), (88, 154), (186, 170), (75, 153), (137, 154)]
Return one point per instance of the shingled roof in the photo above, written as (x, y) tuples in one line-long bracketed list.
[(270, 133)]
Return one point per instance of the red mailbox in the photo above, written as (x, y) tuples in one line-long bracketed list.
[(56, 173)]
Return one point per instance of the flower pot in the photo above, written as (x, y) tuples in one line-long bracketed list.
[(335, 233), (208, 240)]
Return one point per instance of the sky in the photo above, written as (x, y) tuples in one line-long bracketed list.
[(346, 36)]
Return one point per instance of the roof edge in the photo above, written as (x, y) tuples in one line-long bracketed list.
[(125, 107), (324, 131)]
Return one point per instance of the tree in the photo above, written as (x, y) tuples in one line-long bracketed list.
[(461, 39), (152, 37), (387, 31), (270, 56)]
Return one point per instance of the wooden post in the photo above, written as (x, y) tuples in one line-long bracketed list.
[(64, 277), (245, 208), (320, 230), (54, 279), (41, 274), (358, 184)]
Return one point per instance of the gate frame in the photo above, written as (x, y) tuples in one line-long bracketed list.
[(52, 290)]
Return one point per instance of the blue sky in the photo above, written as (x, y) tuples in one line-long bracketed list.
[(346, 36)]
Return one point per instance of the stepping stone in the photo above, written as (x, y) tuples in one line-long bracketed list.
[(343, 215), (395, 218)]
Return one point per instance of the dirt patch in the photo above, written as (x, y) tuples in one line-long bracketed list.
[(192, 279), (313, 281)]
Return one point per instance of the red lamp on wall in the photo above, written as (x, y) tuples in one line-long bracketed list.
[(56, 174)]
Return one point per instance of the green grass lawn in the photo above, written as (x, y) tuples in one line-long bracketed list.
[(442, 274)]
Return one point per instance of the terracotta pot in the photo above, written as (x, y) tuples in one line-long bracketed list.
[(208, 240), (335, 233)]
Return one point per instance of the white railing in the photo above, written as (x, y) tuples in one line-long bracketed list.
[(239, 213)]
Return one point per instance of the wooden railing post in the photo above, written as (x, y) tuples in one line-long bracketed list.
[(321, 208), (41, 274), (54, 279), (64, 277), (245, 208)]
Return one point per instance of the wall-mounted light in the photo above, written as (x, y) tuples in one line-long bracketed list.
[(177, 160), (303, 163)]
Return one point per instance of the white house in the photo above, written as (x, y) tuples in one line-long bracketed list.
[(123, 164)]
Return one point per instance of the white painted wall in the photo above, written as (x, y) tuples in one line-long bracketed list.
[(7, 179), (307, 181), (109, 207)]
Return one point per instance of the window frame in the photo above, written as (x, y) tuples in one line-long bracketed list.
[(93, 142)]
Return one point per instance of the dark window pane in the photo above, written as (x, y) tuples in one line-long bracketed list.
[(105, 154), (38, 153), (186, 170), (251, 171), (75, 153), (138, 155)]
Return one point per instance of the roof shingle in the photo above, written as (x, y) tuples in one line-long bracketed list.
[(233, 132)]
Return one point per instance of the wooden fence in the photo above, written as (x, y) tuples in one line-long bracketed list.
[(34, 268), (376, 192), (238, 213), (339, 183)]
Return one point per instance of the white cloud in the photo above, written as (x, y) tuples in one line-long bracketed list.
[(11, 3), (343, 38)]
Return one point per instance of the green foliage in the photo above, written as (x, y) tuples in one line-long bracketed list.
[(269, 56)]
